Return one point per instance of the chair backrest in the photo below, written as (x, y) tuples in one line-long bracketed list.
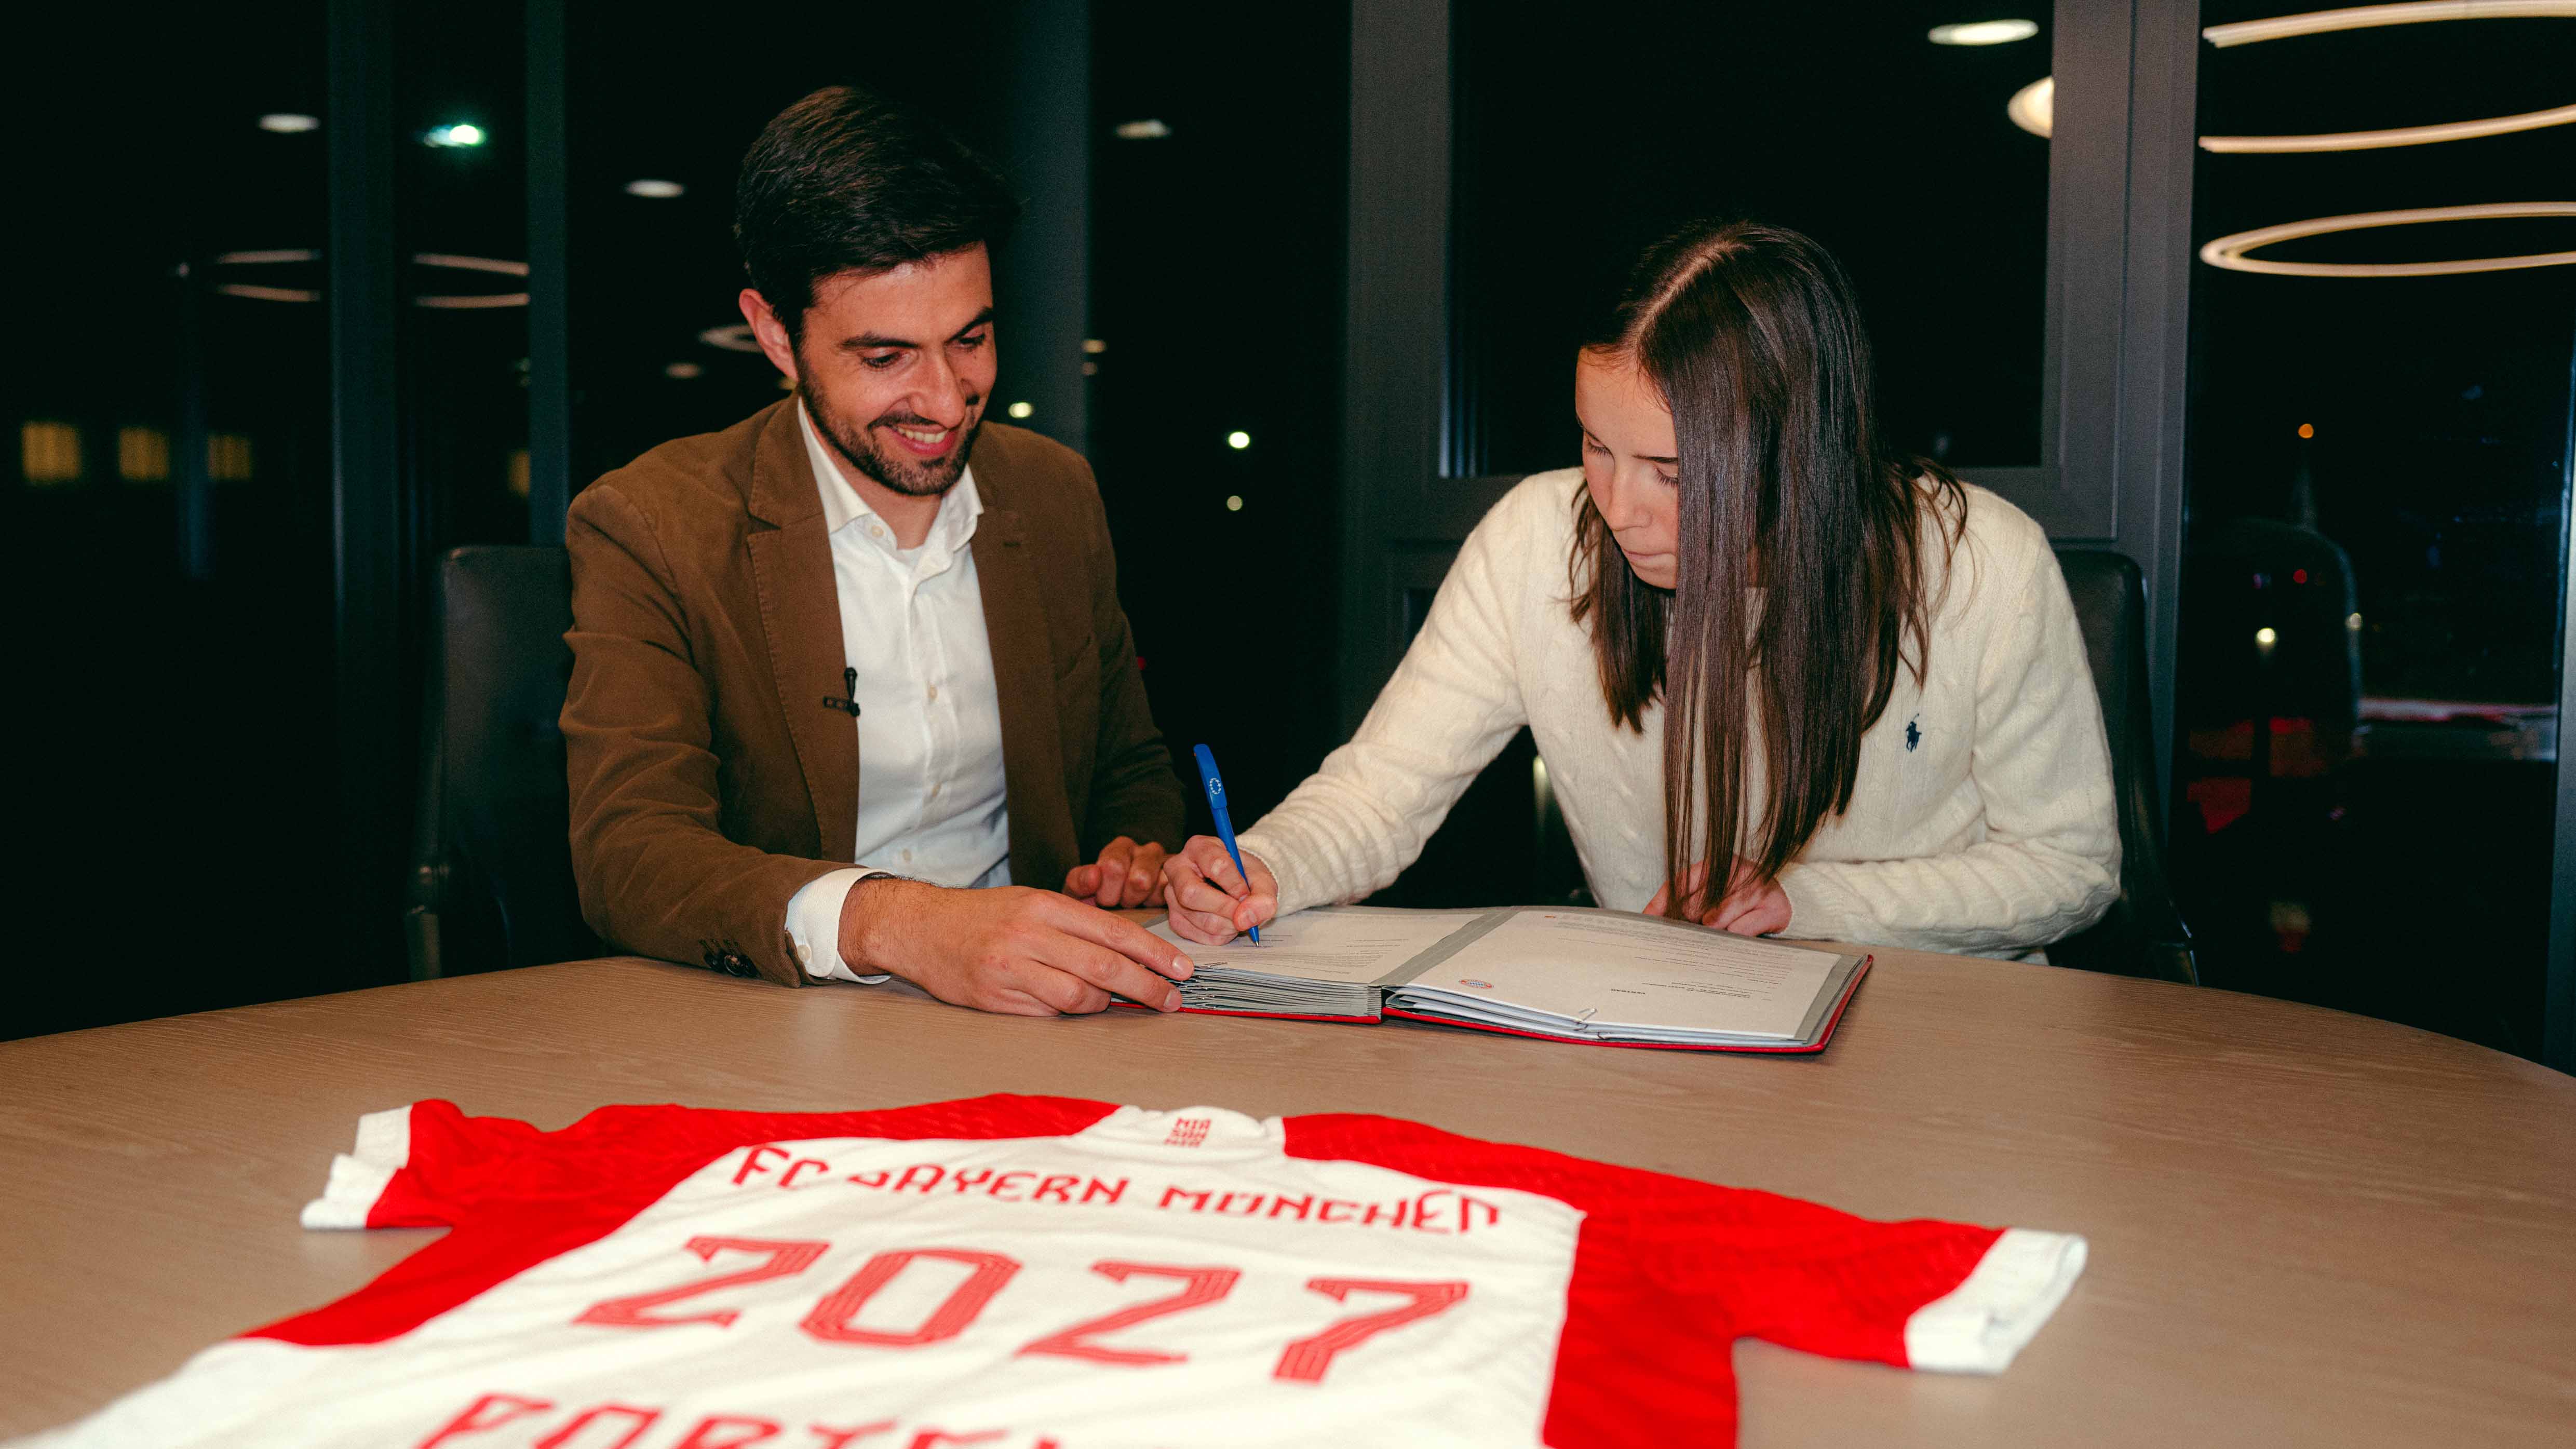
[(2144, 934), (494, 861)]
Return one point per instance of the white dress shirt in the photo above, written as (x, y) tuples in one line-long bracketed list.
[(931, 796)]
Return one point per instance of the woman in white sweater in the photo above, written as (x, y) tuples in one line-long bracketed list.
[(1876, 666)]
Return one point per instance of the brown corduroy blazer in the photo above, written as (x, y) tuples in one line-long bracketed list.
[(710, 780)]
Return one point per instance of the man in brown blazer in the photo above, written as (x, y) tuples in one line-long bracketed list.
[(827, 676)]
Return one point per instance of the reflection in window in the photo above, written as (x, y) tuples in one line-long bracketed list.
[(2368, 668), (1577, 143), (143, 455), (49, 452)]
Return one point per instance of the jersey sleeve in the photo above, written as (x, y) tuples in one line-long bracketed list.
[(1919, 1294), (1718, 1263)]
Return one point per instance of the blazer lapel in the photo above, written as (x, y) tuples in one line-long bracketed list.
[(1024, 679), (800, 613)]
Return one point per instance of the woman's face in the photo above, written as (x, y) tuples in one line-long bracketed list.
[(1630, 463)]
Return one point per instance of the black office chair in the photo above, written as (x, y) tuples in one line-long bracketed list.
[(492, 883), (2144, 934)]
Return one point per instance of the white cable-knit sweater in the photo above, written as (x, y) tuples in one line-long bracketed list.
[(1982, 820)]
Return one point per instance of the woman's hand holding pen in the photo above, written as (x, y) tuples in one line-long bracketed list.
[(1209, 899)]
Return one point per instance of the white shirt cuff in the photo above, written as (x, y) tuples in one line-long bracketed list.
[(814, 924), (1978, 1326)]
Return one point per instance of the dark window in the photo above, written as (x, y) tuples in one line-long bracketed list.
[(1578, 141), (2367, 673)]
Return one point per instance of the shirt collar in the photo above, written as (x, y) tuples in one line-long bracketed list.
[(843, 506)]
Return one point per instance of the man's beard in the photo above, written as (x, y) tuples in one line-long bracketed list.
[(911, 477)]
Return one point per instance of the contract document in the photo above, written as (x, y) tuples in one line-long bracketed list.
[(1609, 977)]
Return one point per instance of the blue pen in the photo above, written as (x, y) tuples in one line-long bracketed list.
[(1224, 824)]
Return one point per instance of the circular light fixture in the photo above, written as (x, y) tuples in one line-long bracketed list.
[(453, 136), (288, 123), (654, 189), (736, 338), (1094, 346), (1020, 410), (2230, 251), (469, 301), (2364, 17), (2307, 430), (1984, 32), (441, 301), (2265, 638), (682, 370), (1238, 440), (1234, 503), (2034, 106), (1145, 130)]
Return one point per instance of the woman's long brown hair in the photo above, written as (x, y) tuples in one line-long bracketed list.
[(1753, 337)]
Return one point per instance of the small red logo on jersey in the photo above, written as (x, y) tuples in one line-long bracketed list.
[(1188, 1132), (1472, 981)]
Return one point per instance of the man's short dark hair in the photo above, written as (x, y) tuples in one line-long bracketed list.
[(847, 181)]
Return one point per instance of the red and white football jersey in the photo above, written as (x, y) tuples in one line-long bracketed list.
[(1046, 1273)]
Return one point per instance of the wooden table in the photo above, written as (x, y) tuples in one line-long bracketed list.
[(2307, 1228)]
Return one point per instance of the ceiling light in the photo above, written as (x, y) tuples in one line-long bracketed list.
[(287, 123), (1094, 346), (1238, 440), (682, 370), (1234, 503), (462, 133), (1021, 410), (1146, 130), (2230, 251), (2363, 17), (736, 338), (2034, 106), (2265, 638), (654, 189), (1985, 32)]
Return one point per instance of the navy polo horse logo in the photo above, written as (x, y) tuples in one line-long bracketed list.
[(1913, 734)]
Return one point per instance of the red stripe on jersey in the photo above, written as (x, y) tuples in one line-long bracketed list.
[(513, 1209), (1669, 1272)]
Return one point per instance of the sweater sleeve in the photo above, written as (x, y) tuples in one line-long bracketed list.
[(1455, 701), (2050, 862)]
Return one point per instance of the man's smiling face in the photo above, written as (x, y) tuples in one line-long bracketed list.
[(896, 367)]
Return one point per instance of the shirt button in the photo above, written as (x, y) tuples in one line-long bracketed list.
[(804, 957), (907, 857), (934, 691)]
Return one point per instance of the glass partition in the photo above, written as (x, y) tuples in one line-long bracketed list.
[(2368, 663), (1913, 146)]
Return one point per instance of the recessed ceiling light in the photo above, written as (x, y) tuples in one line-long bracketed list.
[(287, 123), (682, 370), (1145, 130), (1985, 32), (656, 189), (1238, 440), (1021, 410), (734, 338), (2034, 106), (461, 133)]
